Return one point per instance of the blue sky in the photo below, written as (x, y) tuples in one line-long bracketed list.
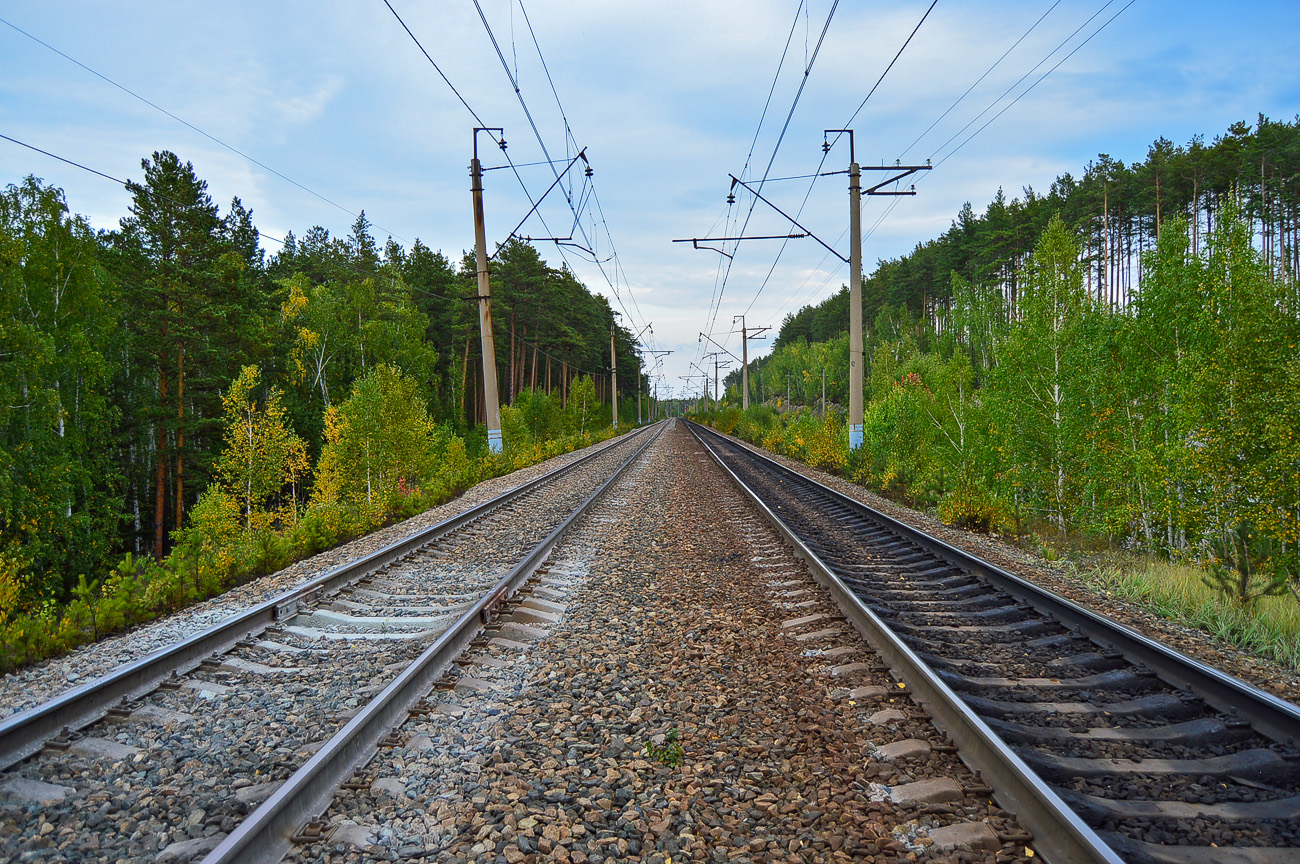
[(665, 96)]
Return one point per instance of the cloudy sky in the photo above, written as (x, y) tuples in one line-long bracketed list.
[(667, 98)]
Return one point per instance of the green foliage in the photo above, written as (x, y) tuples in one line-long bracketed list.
[(381, 443), (583, 409), (58, 483), (263, 456), (668, 751)]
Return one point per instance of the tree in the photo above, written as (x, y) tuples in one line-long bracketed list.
[(583, 406), (1035, 379), (262, 454), (188, 308), (379, 443), (59, 491)]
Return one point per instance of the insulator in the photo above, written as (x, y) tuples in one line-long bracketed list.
[(502, 144), (826, 146), (731, 197), (589, 171)]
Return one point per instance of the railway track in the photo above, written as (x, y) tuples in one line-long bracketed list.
[(1107, 745), (236, 736)]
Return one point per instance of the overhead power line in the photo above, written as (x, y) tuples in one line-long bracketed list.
[(826, 151), (435, 66), (803, 82), (986, 74), (1022, 78), (190, 125), (513, 77)]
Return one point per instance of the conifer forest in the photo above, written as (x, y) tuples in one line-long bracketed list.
[(172, 393), (1118, 357)]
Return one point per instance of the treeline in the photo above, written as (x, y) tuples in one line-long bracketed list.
[(1117, 212), (120, 351), (1161, 419)]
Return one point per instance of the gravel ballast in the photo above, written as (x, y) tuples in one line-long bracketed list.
[(43, 681), (675, 615), (1262, 672)]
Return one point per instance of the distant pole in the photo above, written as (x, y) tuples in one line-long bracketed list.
[(787, 389), (715, 382), (638, 394), (490, 396), (823, 392), (744, 366), (613, 372)]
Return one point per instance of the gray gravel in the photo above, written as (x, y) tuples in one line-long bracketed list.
[(44, 681), (190, 762), (682, 614)]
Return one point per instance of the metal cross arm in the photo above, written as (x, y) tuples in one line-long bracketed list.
[(737, 181), (905, 171), (574, 161), (696, 241), (720, 345)]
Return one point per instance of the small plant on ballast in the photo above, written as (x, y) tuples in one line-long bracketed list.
[(667, 752)]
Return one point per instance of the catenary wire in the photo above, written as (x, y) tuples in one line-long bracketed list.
[(514, 82), (986, 74), (826, 152), (775, 149), (893, 204)]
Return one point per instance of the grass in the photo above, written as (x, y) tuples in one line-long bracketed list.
[(1269, 627)]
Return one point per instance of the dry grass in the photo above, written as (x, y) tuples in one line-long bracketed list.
[(1269, 627)]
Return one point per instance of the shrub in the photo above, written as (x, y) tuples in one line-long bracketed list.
[(974, 509)]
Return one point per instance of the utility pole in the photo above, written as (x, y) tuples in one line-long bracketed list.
[(613, 372), (654, 403), (744, 357), (855, 301), (490, 396), (823, 392), (856, 367), (717, 381), (705, 373)]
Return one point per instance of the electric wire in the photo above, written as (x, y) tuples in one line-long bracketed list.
[(762, 117), (261, 235), (775, 149), (514, 82), (1021, 79), (1039, 81), (893, 204), (190, 125), (826, 151), (978, 80), (435, 66)]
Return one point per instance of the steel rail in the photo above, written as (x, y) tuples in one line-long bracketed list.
[(1060, 835), (1270, 716), (264, 837), (24, 733)]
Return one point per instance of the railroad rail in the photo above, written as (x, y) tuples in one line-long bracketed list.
[(1109, 746), (444, 584)]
